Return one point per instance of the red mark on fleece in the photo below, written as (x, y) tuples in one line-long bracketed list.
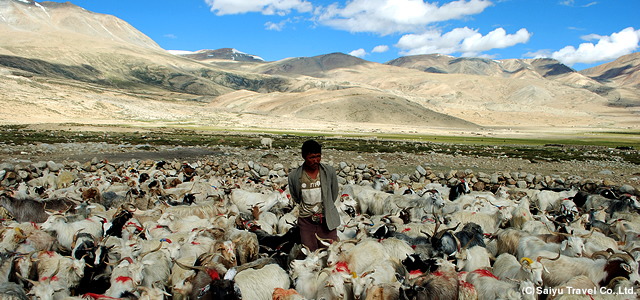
[(406, 229), (34, 225), (96, 296), (342, 267), (213, 274), (466, 285), (413, 247), (485, 273), (123, 279), (195, 243), (345, 195), (54, 278), (438, 273), (134, 224), (49, 253), (415, 272)]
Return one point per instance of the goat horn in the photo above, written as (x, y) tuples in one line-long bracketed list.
[(469, 243), (154, 250), (541, 257), (435, 230), (33, 282), (257, 266), (626, 257), (127, 206), (527, 260), (75, 238), (323, 240), (54, 272), (603, 253), (634, 250), (442, 232), (121, 260), (195, 268), (586, 236)]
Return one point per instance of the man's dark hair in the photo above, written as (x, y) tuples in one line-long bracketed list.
[(311, 146)]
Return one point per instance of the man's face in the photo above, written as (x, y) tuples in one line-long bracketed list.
[(312, 160)]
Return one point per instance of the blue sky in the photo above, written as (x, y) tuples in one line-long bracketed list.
[(579, 33)]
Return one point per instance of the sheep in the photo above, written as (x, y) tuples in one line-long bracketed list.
[(31, 210), (49, 288), (472, 258), (441, 284), (282, 294), (547, 199), (121, 280), (65, 231), (579, 283), (12, 291), (379, 273), (521, 215), (459, 189), (266, 142), (490, 223), (388, 291), (370, 201), (360, 256), (600, 271), (70, 270), (246, 200), (488, 286), (331, 285), (507, 266), (571, 246), (304, 274), (429, 202)]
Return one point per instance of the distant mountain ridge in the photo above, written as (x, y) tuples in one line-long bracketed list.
[(224, 53), (74, 64), (508, 68)]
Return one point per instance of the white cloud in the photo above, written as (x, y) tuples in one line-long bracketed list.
[(390, 16), (380, 49), (358, 53), (276, 26), (607, 48), (171, 36), (266, 7), (464, 40), (567, 2)]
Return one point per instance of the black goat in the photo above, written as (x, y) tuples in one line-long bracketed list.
[(459, 189), (117, 223), (626, 203), (414, 263)]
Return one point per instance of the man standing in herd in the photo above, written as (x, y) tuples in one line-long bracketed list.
[(314, 186)]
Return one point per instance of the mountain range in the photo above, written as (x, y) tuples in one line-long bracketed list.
[(60, 63)]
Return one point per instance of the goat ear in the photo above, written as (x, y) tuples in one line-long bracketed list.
[(563, 246)]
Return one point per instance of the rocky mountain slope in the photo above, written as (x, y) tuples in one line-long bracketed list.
[(60, 63)]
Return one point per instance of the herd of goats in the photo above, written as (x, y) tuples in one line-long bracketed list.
[(154, 233)]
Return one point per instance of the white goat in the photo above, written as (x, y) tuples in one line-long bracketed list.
[(245, 201), (65, 231), (507, 266)]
